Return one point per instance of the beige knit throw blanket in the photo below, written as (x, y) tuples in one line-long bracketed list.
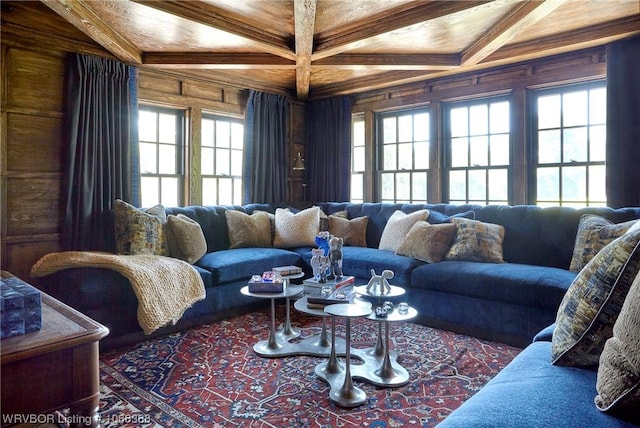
[(165, 287)]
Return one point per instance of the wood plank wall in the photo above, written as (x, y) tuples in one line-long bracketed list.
[(31, 155)]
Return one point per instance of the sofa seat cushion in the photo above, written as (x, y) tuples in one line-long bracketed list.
[(530, 392), (358, 262), (241, 263), (535, 286)]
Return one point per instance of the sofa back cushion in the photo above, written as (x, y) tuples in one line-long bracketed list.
[(553, 229), (214, 222), (377, 214)]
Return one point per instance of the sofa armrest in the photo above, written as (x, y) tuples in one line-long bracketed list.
[(545, 334)]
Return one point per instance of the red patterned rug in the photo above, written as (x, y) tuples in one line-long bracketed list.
[(209, 376)]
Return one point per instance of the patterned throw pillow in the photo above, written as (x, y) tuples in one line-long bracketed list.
[(353, 232), (247, 231), (296, 230), (594, 233), (618, 382), (476, 241), (397, 227), (593, 301), (185, 238), (140, 231), (428, 242)]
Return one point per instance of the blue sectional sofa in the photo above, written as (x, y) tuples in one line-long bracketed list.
[(514, 301), (508, 302), (532, 392)]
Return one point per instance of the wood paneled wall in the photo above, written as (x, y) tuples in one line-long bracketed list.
[(32, 117)]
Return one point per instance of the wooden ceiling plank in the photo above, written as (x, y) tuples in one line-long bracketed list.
[(83, 17), (348, 61), (518, 19), (570, 40), (216, 60), (355, 35), (206, 14), (304, 12)]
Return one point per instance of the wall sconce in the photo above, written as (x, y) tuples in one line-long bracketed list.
[(298, 163)]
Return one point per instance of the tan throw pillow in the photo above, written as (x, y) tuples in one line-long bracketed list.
[(594, 233), (296, 230), (397, 227), (140, 231), (593, 301), (185, 238), (618, 382), (324, 219), (248, 231), (476, 241), (353, 232), (428, 242)]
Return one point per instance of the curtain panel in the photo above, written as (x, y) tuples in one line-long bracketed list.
[(328, 149), (623, 123), (265, 149), (101, 108)]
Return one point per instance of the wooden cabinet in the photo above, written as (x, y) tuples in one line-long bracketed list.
[(54, 368)]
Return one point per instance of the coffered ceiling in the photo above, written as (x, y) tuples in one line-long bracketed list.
[(319, 48)]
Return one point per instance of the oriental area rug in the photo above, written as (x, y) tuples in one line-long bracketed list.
[(209, 376)]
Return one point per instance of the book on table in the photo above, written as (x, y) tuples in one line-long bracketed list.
[(313, 286), (340, 295), (287, 270)]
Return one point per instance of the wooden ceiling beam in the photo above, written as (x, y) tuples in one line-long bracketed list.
[(355, 35), (570, 40), (519, 18), (304, 13), (220, 19), (347, 61), (216, 60), (84, 18), (367, 83)]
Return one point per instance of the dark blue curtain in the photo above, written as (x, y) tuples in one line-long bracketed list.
[(101, 134), (623, 123), (328, 149), (265, 149)]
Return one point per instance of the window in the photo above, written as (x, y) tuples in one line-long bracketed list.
[(221, 160), (403, 156), (570, 141), (357, 160), (478, 151), (161, 156)]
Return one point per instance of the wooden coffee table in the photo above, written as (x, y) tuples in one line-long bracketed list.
[(54, 368)]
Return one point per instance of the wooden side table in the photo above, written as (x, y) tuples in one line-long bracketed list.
[(54, 368)]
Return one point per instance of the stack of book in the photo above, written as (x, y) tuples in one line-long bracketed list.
[(312, 286), (287, 270), (340, 295)]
